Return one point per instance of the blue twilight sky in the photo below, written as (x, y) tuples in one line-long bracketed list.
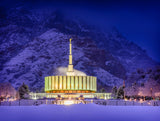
[(138, 20)]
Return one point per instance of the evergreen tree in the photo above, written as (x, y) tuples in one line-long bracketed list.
[(102, 90), (120, 93), (23, 91), (114, 92), (42, 90), (17, 95), (134, 88)]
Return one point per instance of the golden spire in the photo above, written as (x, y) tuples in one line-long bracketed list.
[(70, 46), (70, 66)]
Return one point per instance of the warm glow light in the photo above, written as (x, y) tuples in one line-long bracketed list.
[(68, 102), (34, 98), (141, 101)]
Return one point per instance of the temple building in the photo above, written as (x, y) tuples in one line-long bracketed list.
[(71, 82)]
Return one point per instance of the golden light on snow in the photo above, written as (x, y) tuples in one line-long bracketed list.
[(68, 102)]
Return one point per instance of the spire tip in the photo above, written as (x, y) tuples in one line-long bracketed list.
[(70, 40)]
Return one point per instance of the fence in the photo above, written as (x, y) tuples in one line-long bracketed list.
[(99, 102), (127, 103)]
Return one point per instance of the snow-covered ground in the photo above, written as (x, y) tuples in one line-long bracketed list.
[(79, 112)]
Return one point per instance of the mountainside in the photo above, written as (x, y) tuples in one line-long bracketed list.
[(35, 43)]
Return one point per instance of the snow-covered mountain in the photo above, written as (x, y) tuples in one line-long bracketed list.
[(34, 43)]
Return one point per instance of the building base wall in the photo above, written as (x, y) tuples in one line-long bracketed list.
[(70, 95)]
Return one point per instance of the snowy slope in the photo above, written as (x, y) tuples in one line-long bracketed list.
[(79, 112)]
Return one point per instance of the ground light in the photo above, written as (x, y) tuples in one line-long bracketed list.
[(68, 102)]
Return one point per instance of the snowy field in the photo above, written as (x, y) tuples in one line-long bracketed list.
[(79, 112)]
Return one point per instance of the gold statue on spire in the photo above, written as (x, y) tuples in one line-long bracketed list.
[(70, 40)]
